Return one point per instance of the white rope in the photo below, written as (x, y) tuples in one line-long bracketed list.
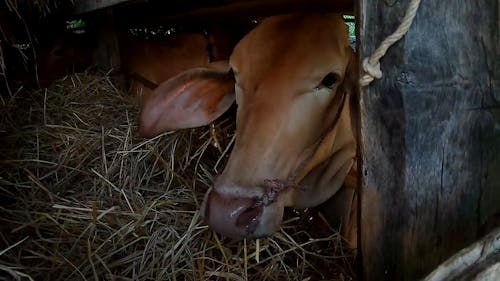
[(371, 65)]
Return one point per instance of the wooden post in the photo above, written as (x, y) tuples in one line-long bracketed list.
[(430, 135), (107, 52)]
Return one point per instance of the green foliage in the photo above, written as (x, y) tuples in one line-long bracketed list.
[(351, 24), (75, 24)]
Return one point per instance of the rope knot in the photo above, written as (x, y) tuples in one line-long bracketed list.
[(371, 65), (372, 71)]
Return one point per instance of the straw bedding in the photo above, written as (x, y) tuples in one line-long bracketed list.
[(85, 198)]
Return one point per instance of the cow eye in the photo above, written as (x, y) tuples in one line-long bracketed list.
[(329, 80)]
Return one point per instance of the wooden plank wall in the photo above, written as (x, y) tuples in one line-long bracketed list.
[(430, 135)]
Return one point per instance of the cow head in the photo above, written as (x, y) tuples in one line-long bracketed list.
[(292, 78)]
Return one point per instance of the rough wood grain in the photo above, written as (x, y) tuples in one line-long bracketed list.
[(430, 135), (84, 6)]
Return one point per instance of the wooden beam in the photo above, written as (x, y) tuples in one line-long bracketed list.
[(269, 7), (235, 9), (85, 6), (430, 137)]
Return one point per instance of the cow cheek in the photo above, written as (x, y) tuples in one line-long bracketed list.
[(307, 115)]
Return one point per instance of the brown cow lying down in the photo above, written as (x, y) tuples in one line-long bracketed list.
[(148, 63), (293, 78)]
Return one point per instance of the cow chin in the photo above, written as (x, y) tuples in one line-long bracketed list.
[(240, 217)]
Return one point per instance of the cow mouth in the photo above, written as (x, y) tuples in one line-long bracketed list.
[(245, 217), (249, 219)]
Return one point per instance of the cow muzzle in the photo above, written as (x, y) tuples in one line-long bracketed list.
[(239, 217), (233, 217)]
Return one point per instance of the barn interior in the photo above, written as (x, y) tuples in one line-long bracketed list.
[(84, 197)]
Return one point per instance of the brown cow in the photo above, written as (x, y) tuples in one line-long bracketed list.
[(293, 78), (42, 52), (62, 53), (156, 61), (148, 63)]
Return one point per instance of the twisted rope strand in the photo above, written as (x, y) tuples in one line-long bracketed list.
[(371, 65)]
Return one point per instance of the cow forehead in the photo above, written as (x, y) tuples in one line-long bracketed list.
[(297, 42)]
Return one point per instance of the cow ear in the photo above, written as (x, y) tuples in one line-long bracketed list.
[(193, 98)]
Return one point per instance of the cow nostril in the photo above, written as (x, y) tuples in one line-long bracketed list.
[(249, 218), (233, 217)]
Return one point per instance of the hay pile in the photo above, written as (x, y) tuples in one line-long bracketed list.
[(84, 198)]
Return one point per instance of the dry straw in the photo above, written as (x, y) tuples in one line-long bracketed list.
[(85, 198)]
